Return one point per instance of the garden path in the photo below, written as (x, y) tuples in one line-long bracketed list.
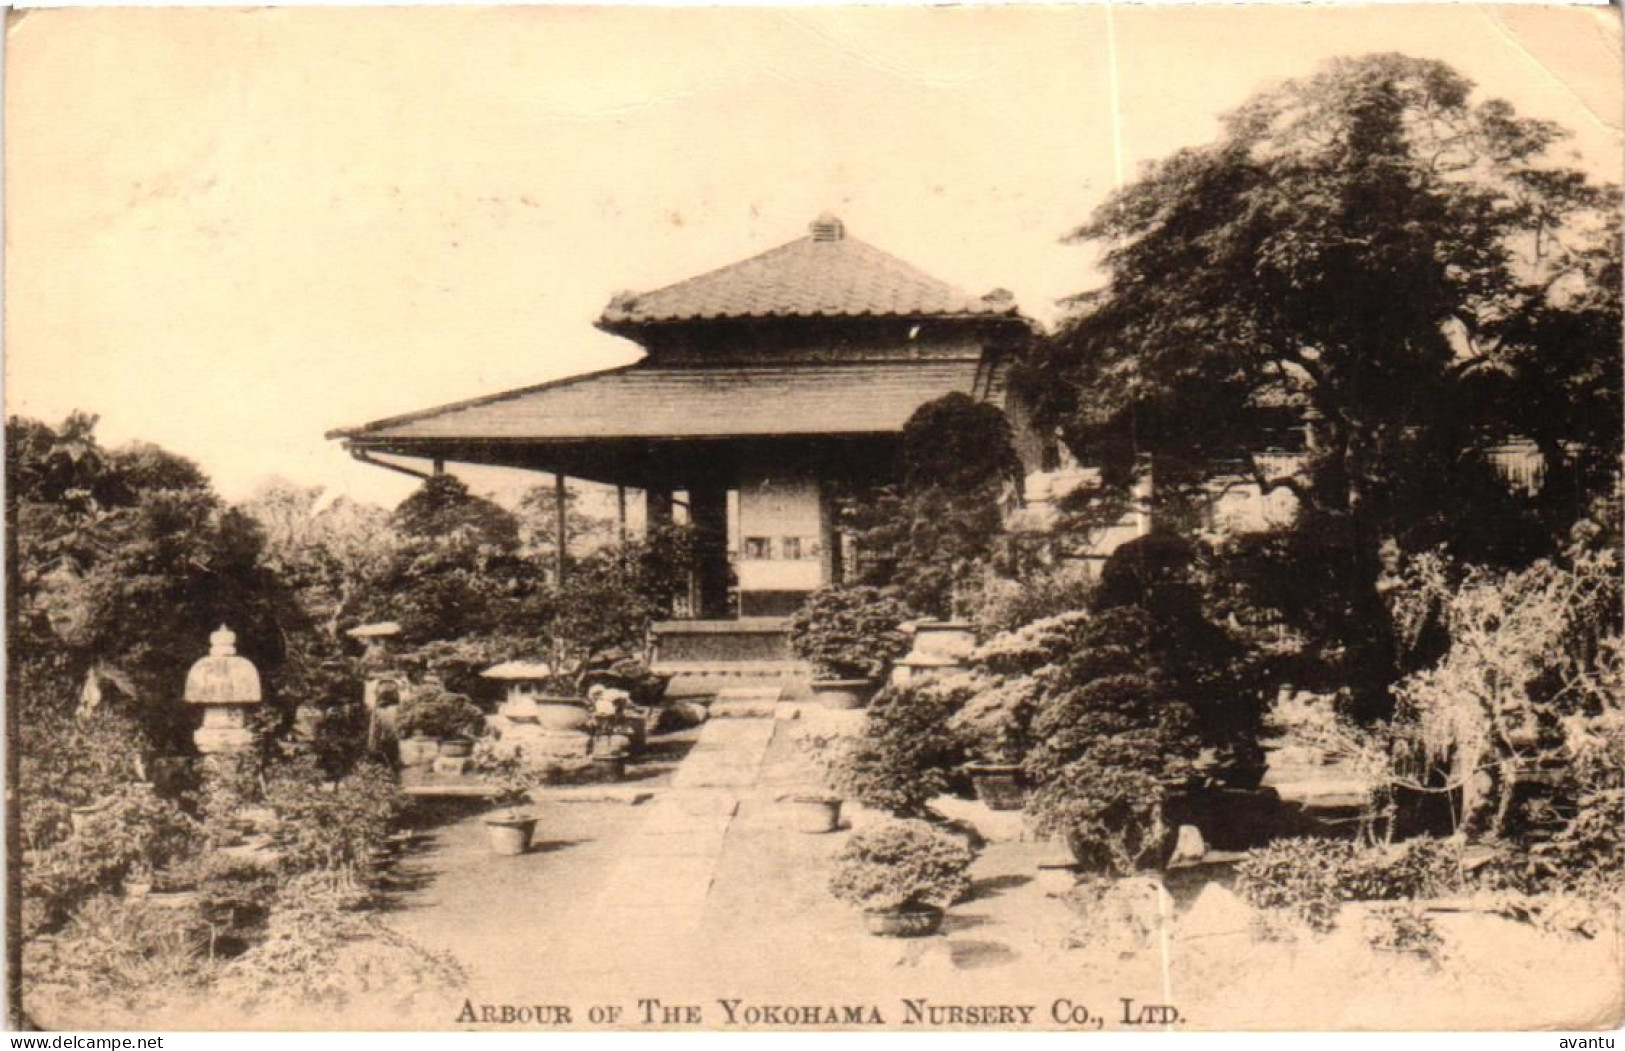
[(702, 895), (653, 899)]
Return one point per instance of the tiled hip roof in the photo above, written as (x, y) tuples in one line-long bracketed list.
[(646, 401), (816, 276)]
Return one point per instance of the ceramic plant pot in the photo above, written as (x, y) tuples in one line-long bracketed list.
[(810, 812), (998, 785), (510, 833), (908, 921), (843, 694), (561, 714)]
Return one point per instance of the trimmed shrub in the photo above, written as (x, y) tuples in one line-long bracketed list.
[(1111, 741), (440, 714), (996, 724), (1302, 877), (1311, 877), (1110, 814), (332, 827), (849, 632), (1419, 868), (1032, 646), (900, 863), (907, 750), (136, 830), (68, 762)]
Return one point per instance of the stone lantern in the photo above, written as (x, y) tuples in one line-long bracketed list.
[(385, 685), (375, 637), (228, 686)]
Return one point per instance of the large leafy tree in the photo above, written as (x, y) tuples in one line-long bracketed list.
[(443, 505), (456, 580), (329, 554), (124, 561), (1364, 257)]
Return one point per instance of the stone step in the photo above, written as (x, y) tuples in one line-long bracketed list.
[(747, 702), (751, 693), (699, 679)]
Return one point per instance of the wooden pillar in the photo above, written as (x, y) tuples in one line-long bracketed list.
[(829, 537), (620, 511), (561, 525), (439, 467), (708, 510)]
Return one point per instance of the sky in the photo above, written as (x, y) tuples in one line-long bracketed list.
[(230, 231)]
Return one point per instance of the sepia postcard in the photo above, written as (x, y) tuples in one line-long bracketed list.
[(1031, 518)]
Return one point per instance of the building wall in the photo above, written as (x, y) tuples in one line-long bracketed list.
[(779, 556)]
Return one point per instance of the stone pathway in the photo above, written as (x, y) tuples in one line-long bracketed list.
[(652, 901)]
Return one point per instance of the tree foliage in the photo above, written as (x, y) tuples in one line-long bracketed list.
[(1531, 683), (927, 538), (125, 561), (849, 632), (901, 863), (1361, 255), (443, 505)]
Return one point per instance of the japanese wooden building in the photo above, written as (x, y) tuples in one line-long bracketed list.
[(763, 387)]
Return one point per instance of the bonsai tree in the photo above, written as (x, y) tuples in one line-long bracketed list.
[(929, 538), (901, 865), (1114, 737), (849, 632), (1222, 671), (510, 782), (996, 725), (907, 750), (1111, 813), (436, 713)]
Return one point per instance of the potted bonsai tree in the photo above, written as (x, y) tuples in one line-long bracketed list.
[(1112, 742), (509, 827), (996, 728), (850, 635), (612, 736), (815, 809), (449, 720), (903, 874)]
